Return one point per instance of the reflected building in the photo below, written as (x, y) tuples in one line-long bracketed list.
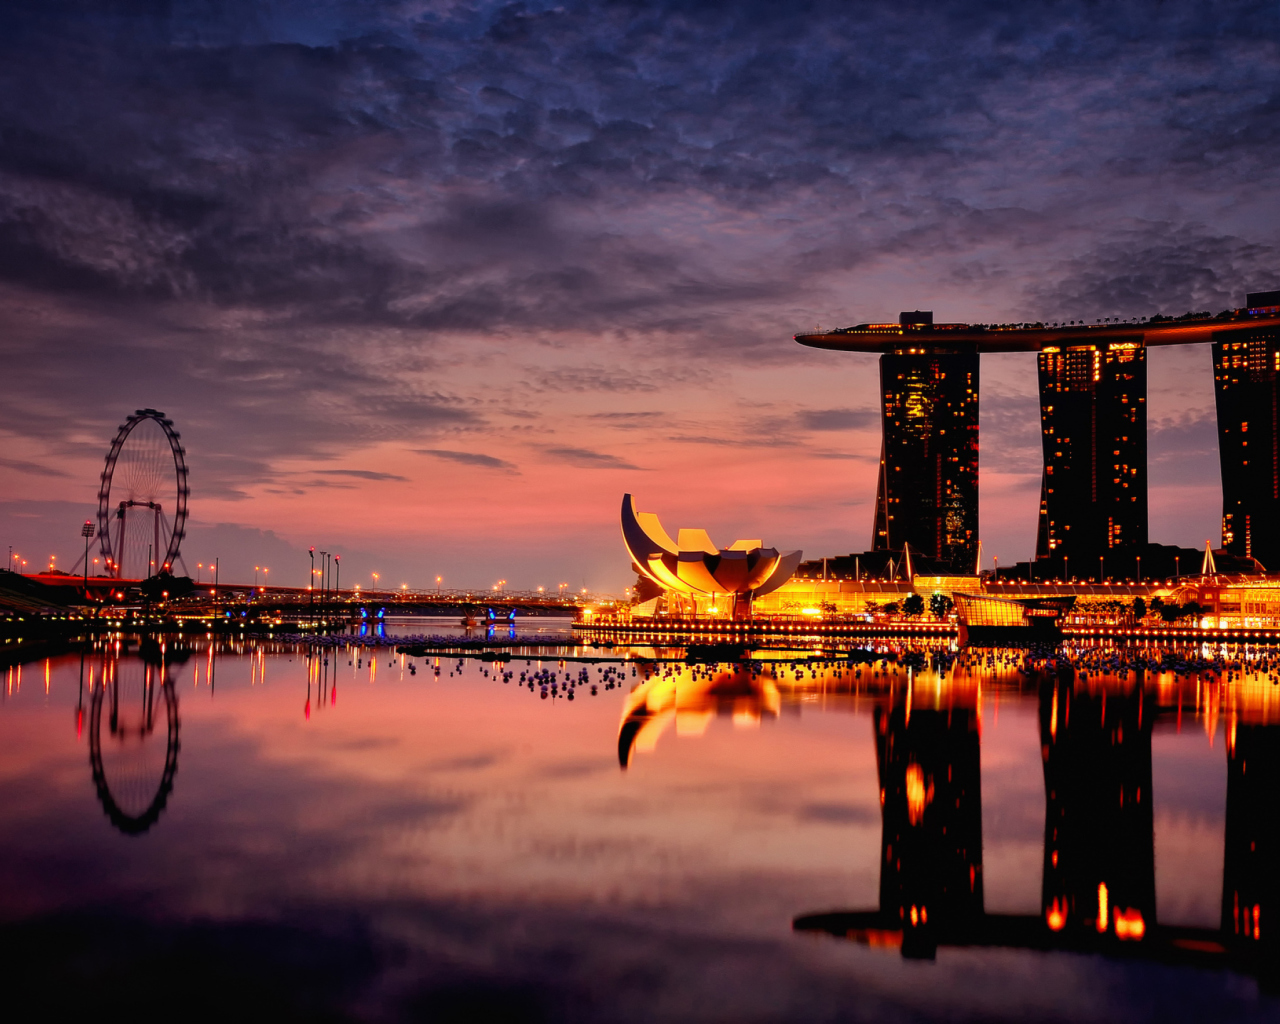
[(1251, 865), (689, 697), (1245, 370), (1093, 431), (931, 840), (927, 495), (1099, 840), (1098, 884)]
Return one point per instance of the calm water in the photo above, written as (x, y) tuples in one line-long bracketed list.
[(196, 832)]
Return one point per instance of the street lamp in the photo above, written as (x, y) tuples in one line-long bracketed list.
[(438, 579), (86, 532), (1100, 557)]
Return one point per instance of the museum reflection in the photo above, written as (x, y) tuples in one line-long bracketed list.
[(1098, 889)]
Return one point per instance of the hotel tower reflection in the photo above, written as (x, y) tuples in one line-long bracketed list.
[(1098, 888), (1099, 884)]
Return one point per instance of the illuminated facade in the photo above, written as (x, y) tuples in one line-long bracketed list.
[(1093, 425), (1245, 371), (1093, 399), (927, 496), (693, 566)]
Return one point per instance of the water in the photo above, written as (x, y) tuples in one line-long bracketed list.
[(357, 840)]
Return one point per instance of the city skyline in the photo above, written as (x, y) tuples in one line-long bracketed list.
[(435, 288)]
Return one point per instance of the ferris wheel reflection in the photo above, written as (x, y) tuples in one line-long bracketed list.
[(133, 742)]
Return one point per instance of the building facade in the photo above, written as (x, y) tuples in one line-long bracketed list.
[(927, 495), (1245, 372), (1093, 421)]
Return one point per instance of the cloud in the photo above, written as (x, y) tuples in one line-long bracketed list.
[(837, 419), (305, 231), (361, 474), (469, 459), (587, 459), (32, 468)]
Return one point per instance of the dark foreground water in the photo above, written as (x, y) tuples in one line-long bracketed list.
[(251, 832)]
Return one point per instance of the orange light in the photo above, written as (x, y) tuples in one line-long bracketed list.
[(1129, 924), (1102, 907), (1056, 916), (918, 796)]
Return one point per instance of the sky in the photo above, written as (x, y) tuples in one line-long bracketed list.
[(433, 285)]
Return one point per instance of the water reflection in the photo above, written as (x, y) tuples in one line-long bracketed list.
[(133, 756), (690, 698), (1098, 889)]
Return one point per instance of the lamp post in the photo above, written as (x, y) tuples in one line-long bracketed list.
[(1100, 557), (1139, 557), (1175, 568), (1066, 568), (337, 575), (438, 579), (86, 532), (311, 587)]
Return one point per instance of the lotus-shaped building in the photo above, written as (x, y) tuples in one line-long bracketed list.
[(693, 565)]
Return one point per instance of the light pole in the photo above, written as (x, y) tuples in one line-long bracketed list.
[(337, 575), (1175, 568), (1139, 557), (1100, 557), (1066, 568), (86, 532), (438, 579)]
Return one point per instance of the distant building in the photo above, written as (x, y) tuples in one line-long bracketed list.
[(927, 495), (1245, 371), (1093, 425)]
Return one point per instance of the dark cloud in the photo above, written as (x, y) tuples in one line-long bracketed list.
[(305, 229), (837, 419), (587, 459), (469, 458), (361, 474), (31, 468)]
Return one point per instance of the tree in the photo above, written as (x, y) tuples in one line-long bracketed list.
[(940, 605), (1139, 608), (913, 606)]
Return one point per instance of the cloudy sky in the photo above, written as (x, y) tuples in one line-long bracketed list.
[(433, 284)]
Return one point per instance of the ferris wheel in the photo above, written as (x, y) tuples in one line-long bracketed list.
[(142, 502)]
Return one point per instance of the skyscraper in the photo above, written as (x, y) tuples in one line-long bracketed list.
[(928, 488), (1245, 371), (1093, 390), (1093, 426)]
